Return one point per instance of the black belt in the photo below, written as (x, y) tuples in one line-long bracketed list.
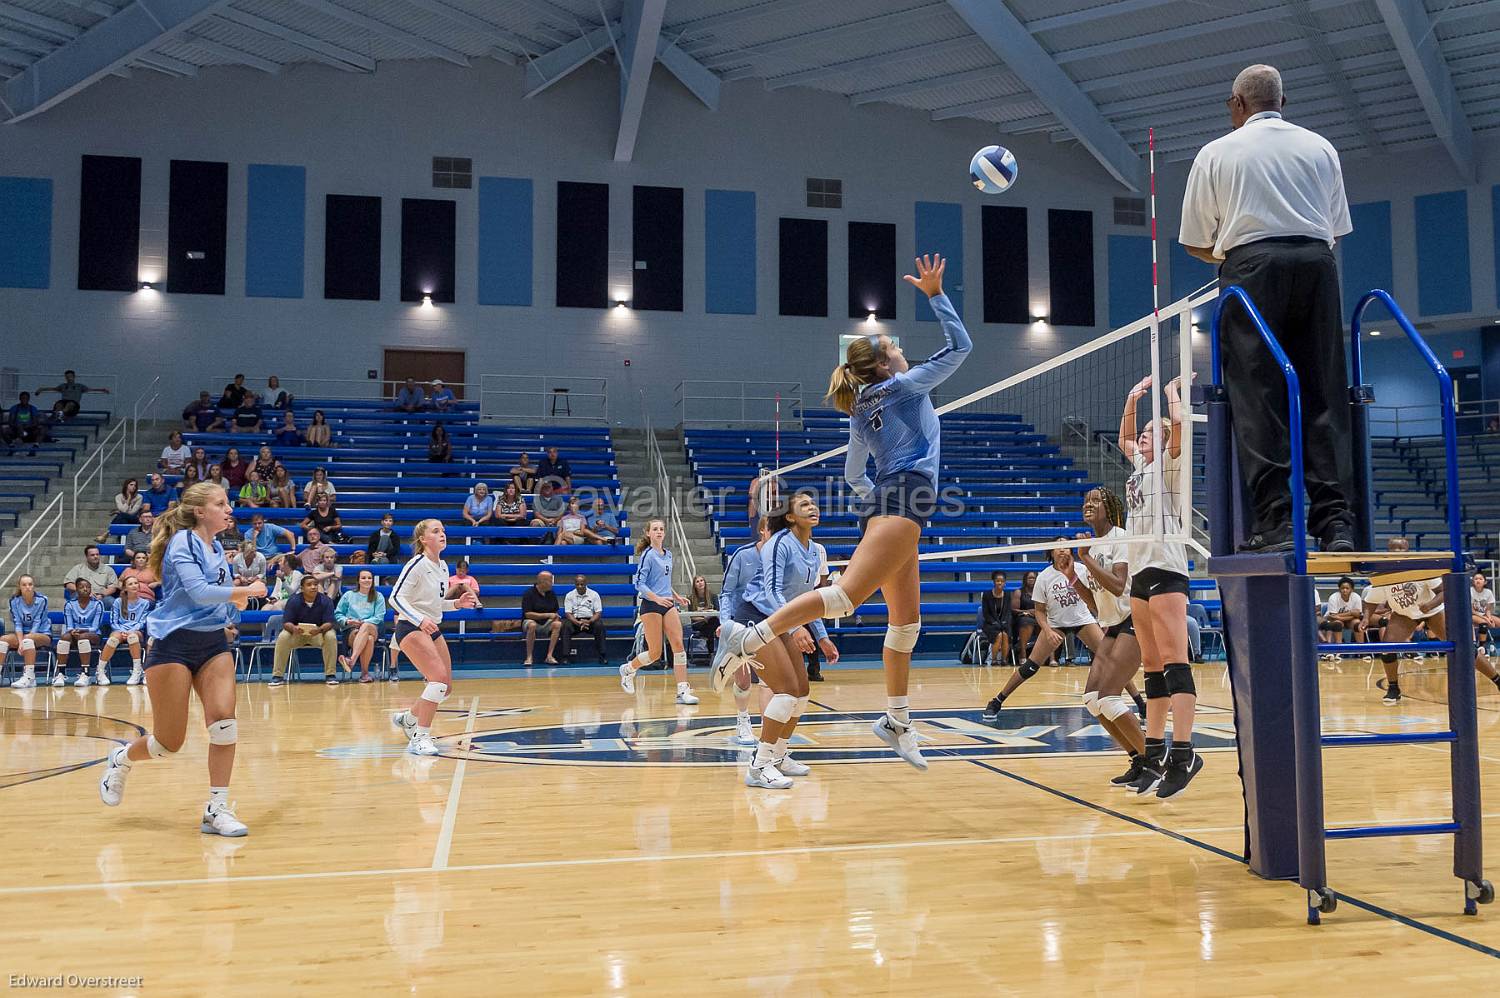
[(1292, 240)]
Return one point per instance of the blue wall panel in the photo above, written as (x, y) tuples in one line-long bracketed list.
[(1443, 284), (1129, 279), (1188, 273), (505, 240), (25, 232), (275, 230), (729, 252), (940, 229), (1367, 262)]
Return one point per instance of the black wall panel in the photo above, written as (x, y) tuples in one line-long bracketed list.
[(351, 247), (109, 224), (582, 245), (1070, 266), (656, 242), (427, 261), (804, 266), (1007, 275), (197, 220), (872, 270)]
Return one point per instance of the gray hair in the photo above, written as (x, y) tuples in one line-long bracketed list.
[(1260, 87)]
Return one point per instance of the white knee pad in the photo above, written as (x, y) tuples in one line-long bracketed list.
[(435, 692), (85, 647), (225, 732), (902, 637), (780, 708), (1091, 702), (1115, 707), (156, 749), (63, 647), (28, 644), (801, 706), (132, 638), (679, 658), (835, 601)]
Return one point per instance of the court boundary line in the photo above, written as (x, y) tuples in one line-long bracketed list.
[(455, 788)]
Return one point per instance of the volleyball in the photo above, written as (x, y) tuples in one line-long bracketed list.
[(993, 169)]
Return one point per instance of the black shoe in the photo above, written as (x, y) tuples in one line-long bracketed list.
[(1125, 779), (1277, 538), (1150, 778), (1392, 695), (1338, 538), (815, 677), (1178, 775), (992, 709)]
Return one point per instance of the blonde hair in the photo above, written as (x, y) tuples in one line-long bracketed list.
[(645, 541), (420, 531), (183, 516), (860, 367)]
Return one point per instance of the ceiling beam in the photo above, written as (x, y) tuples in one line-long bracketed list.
[(842, 32), (698, 78), (1073, 20), (95, 7), (110, 44), (983, 74), (998, 28), (1314, 33), (18, 59), (931, 50), (1411, 29), (51, 25), (335, 55), (233, 55), (640, 33), (477, 25), (399, 35), (158, 61), (547, 69), (1186, 32), (986, 104), (27, 42)]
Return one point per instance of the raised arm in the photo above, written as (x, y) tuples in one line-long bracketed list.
[(941, 365), (1127, 417)]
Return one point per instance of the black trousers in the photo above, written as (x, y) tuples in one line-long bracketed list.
[(1295, 286), (570, 628)]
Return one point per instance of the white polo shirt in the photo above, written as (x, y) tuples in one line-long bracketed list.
[(1265, 179)]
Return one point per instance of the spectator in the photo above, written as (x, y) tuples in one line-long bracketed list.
[(160, 495), (410, 398), (70, 393), (283, 489), (995, 619), (549, 508), (1492, 425), (233, 468), (462, 578), (267, 537), (285, 583), (307, 622), (31, 630), (312, 555), (23, 424), (175, 454), (234, 393), (573, 527), (265, 463), (479, 507), (384, 545), (360, 614), (442, 398), (439, 446), (278, 399), (128, 502), (603, 523), (1346, 611), (127, 626), (523, 473), (215, 476), (328, 573), (138, 541), (318, 485), (1023, 616), (288, 435), (83, 626), (102, 579), (510, 508), (201, 415), (248, 565), (189, 478), (319, 433), (1482, 608), (583, 613), (230, 535), (199, 462), (254, 492), (704, 610), (247, 415), (325, 518), (539, 612), (557, 470), (140, 571)]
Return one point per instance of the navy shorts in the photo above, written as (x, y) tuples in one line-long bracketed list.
[(405, 627), (1149, 582), (650, 606), (907, 494), (194, 649)]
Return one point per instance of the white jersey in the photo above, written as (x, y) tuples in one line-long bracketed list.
[(1065, 608), (419, 591), (1111, 609), (1141, 502), (1337, 603), (1406, 599), (1482, 600)]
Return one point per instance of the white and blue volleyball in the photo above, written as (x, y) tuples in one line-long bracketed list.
[(993, 169)]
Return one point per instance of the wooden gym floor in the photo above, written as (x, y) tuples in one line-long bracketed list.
[(575, 841)]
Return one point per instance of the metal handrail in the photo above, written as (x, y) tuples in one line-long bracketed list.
[(25, 378), (15, 558), (101, 455), (593, 393), (677, 538), (786, 397), (143, 406)]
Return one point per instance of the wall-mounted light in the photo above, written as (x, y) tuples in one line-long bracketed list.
[(1374, 332), (870, 319), (427, 301), (147, 286), (621, 306), (1038, 322)]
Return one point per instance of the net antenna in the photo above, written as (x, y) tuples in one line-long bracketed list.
[(1159, 528)]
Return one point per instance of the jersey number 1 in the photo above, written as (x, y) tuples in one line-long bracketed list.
[(875, 420)]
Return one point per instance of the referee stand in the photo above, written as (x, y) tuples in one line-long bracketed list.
[(1271, 638)]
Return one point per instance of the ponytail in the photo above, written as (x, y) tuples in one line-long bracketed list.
[(860, 367), (183, 516), (842, 388)]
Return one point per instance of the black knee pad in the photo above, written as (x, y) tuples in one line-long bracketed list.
[(1156, 686), (1028, 668), (1388, 659), (1178, 678)]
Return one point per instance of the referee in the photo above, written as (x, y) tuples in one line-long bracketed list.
[(1266, 203)]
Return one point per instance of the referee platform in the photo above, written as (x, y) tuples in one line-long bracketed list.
[(1271, 637)]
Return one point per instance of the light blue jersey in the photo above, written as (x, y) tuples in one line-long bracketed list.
[(894, 421), (653, 574), (195, 587), (77, 617), (131, 618), (30, 618), (788, 570), (742, 591)]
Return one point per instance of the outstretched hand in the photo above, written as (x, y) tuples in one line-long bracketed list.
[(1141, 387), (929, 279)]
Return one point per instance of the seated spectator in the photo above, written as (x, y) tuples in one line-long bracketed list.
[(327, 572), (102, 579), (265, 463), (138, 541), (127, 626), (254, 492), (442, 398), (556, 470), (319, 433), (312, 555), (703, 610), (996, 622), (583, 613), (1482, 608), (174, 455), (140, 571), (307, 622), (159, 494), (410, 398), (285, 583), (215, 476), (1346, 611), (201, 415), (549, 507), (573, 527), (479, 507), (604, 524), (189, 478), (510, 508), (200, 462), (275, 397), (384, 545), (283, 489), (248, 565), (234, 393), (439, 446), (287, 435), (461, 577), (83, 627), (360, 614), (325, 518), (233, 468), (247, 416), (128, 502), (523, 473), (318, 485), (70, 393), (539, 612), (267, 537), (230, 535), (31, 630), (23, 424)]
